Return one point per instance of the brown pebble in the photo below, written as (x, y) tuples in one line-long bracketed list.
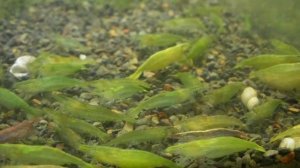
[(165, 121), (126, 31), (36, 102), (60, 146), (276, 126), (287, 158), (17, 131), (162, 115), (184, 68), (168, 87)]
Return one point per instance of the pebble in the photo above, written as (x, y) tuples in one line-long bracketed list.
[(213, 76), (287, 143), (211, 65), (127, 127), (174, 119), (145, 120), (97, 124), (199, 71), (294, 110), (148, 74), (271, 153), (168, 87), (254, 101), (82, 57), (111, 33), (3, 126), (86, 96), (249, 98), (155, 119), (43, 122), (94, 102), (165, 121), (211, 57)]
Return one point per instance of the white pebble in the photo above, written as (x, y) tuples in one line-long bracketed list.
[(297, 142), (249, 98), (252, 103), (247, 94), (82, 56), (287, 143)]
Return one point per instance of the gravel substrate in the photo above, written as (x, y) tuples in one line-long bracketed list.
[(108, 35)]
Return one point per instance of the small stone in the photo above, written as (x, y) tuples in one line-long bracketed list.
[(94, 102), (3, 126), (239, 162), (142, 121), (165, 5), (165, 121), (174, 119), (127, 127), (199, 71), (287, 143), (86, 96), (211, 65), (184, 68), (141, 127), (113, 33), (247, 94), (36, 102), (44, 122), (215, 52), (168, 87), (171, 13), (297, 143), (96, 124), (126, 31), (155, 120), (148, 74), (254, 101), (211, 57), (213, 76), (270, 153), (109, 131), (82, 56), (294, 110)]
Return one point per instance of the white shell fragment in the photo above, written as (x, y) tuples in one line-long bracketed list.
[(249, 98), (19, 69), (287, 143), (82, 57)]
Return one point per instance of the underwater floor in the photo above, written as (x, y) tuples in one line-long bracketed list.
[(144, 84)]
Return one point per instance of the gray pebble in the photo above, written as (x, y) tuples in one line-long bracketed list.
[(270, 153), (94, 102), (86, 96), (213, 76)]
